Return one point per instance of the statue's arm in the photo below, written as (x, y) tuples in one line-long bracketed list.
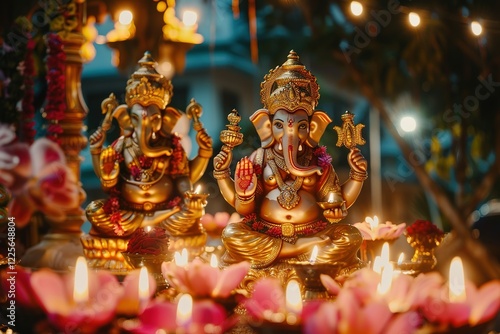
[(358, 174), (222, 174), (199, 164)]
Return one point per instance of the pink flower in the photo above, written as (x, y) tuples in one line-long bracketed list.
[(481, 305), (214, 224), (372, 230), (129, 303), (199, 279), (51, 189), (15, 167), (162, 316), (55, 293), (21, 282), (267, 298)]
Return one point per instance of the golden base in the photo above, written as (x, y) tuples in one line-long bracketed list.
[(105, 253)]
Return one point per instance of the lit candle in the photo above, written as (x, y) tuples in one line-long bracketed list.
[(314, 255), (293, 297), (372, 221), (143, 287), (385, 279), (214, 263), (456, 282), (377, 264), (81, 280), (181, 259), (385, 253), (401, 258), (330, 197), (184, 311), (197, 189)]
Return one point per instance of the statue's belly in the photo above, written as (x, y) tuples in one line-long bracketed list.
[(159, 192), (306, 210)]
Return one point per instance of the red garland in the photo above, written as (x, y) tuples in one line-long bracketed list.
[(27, 131), (56, 86)]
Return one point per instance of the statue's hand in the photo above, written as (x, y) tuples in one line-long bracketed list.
[(204, 140), (335, 213), (357, 161), (96, 140), (110, 164), (245, 179), (223, 160)]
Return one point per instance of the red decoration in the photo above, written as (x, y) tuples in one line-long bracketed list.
[(56, 85), (27, 131), (423, 228), (149, 240)]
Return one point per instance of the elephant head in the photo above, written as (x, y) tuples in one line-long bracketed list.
[(289, 132), (148, 124)]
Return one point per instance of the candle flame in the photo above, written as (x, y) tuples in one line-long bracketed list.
[(457, 281), (181, 259), (197, 189), (385, 279), (385, 253), (143, 284), (314, 254), (81, 287), (330, 197), (372, 221), (401, 258), (184, 310), (293, 297), (214, 263), (377, 264)]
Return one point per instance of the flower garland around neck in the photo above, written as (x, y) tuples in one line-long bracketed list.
[(113, 204), (56, 85), (27, 69)]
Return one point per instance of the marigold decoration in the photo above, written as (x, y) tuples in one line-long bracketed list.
[(56, 84)]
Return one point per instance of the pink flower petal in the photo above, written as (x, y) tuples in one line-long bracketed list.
[(43, 152), (407, 322), (330, 284), (268, 295), (50, 289), (486, 303), (230, 278)]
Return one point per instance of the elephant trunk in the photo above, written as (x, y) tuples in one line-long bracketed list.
[(144, 138), (291, 144)]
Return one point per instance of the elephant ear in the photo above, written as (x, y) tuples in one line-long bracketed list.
[(262, 123), (317, 126), (169, 119), (123, 118)]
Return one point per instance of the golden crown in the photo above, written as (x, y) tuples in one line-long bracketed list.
[(148, 87), (290, 86)]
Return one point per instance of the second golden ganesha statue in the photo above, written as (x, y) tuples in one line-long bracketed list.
[(281, 188), (145, 172)]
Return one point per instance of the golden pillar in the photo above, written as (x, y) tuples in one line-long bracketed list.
[(60, 247)]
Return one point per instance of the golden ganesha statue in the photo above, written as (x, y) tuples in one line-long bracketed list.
[(145, 171), (281, 188)]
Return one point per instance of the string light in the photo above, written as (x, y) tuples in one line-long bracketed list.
[(125, 17), (476, 28), (414, 19), (356, 8)]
